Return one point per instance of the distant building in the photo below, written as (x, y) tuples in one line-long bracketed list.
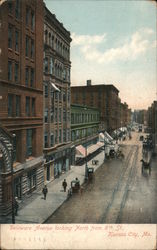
[(101, 96), (21, 90), (140, 116), (57, 65)]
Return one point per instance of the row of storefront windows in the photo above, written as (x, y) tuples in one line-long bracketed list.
[(81, 133), (82, 118)]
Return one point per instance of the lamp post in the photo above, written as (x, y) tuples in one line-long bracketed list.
[(86, 166)]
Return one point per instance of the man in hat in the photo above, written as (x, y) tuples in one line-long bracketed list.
[(45, 191)]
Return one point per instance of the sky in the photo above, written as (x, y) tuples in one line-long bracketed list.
[(113, 42)]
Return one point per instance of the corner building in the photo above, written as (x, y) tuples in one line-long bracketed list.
[(57, 132), (21, 91)]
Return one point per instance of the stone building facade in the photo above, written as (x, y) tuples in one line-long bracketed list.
[(21, 90), (57, 65)]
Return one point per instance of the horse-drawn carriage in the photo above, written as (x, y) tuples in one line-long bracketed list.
[(146, 164)]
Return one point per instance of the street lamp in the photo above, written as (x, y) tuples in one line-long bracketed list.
[(86, 166)]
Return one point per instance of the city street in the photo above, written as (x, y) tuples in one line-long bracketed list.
[(119, 193)]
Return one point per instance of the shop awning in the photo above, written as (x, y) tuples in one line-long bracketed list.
[(54, 87), (100, 144), (80, 151), (92, 149), (103, 138)]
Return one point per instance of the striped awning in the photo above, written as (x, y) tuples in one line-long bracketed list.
[(54, 87), (92, 149), (80, 151)]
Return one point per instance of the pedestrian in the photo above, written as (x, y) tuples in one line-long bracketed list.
[(64, 184), (16, 205), (45, 191)]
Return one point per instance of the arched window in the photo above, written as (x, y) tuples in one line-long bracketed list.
[(49, 39), (52, 41), (55, 69), (46, 36)]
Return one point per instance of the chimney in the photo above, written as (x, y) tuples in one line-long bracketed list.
[(89, 82)]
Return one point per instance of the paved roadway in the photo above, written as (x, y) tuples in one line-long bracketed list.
[(119, 193)]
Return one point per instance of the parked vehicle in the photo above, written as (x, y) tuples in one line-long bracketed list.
[(146, 165)]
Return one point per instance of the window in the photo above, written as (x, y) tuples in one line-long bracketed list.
[(17, 9), (27, 106), (29, 139), (45, 140), (32, 20), (10, 35), (32, 77), (52, 139), (45, 36), (60, 136), (52, 41), (10, 70), (27, 46), (46, 115), (52, 114), (16, 72), (60, 115), (10, 105), (56, 136), (46, 65), (26, 76), (64, 115), (32, 48), (51, 65), (56, 114), (27, 16), (64, 135), (31, 179), (18, 105), (64, 74), (64, 96), (16, 40), (33, 106), (46, 90), (10, 7)]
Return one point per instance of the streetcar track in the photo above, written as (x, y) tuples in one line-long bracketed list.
[(126, 165), (129, 180)]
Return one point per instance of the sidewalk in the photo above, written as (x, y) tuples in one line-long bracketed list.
[(38, 209)]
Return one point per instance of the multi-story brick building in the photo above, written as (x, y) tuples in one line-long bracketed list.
[(21, 90), (84, 128), (125, 115), (57, 96), (101, 96)]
